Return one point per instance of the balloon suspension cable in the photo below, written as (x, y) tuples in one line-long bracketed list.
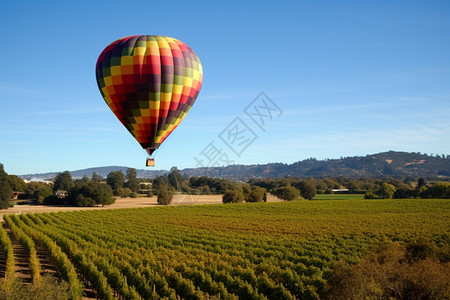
[(150, 162), (150, 150)]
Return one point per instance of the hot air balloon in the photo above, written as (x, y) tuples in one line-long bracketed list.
[(150, 83)]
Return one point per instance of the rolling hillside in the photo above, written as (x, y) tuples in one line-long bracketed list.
[(391, 163), (397, 164)]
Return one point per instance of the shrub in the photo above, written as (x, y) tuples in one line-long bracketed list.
[(90, 194), (83, 201), (404, 193), (164, 196), (386, 190), (205, 190), (286, 192), (233, 196), (43, 193), (123, 192), (438, 190), (393, 271), (370, 194), (254, 193), (308, 189)]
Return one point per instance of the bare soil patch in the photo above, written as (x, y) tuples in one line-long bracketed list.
[(21, 258)]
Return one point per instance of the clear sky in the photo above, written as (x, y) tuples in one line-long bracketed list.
[(344, 78)]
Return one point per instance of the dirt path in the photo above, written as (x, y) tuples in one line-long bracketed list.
[(3, 260), (21, 258), (88, 292), (47, 265), (2, 264)]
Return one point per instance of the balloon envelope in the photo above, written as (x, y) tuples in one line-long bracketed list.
[(150, 83)]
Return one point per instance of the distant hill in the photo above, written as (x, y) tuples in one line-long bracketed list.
[(392, 163), (104, 171)]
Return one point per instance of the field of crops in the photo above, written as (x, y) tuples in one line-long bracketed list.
[(280, 250), (339, 197)]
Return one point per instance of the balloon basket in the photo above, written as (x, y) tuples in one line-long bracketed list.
[(150, 162)]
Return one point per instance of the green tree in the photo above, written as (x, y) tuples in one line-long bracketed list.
[(132, 181), (115, 180), (159, 181), (83, 201), (370, 194), (17, 184), (35, 189), (254, 193), (233, 196), (97, 177), (353, 185), (308, 189), (174, 178), (404, 192), (104, 194), (331, 183), (386, 190), (286, 192), (421, 182), (5, 189), (440, 189), (124, 192), (63, 181), (44, 192), (164, 196), (421, 192), (216, 185), (204, 190), (91, 193)]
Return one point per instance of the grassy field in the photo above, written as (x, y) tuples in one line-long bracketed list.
[(249, 251), (339, 197)]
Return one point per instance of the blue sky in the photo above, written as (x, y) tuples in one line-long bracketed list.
[(350, 77)]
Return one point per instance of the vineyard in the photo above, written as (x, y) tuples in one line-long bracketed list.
[(281, 250)]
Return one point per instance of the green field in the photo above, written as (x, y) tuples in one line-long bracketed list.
[(338, 197), (248, 251)]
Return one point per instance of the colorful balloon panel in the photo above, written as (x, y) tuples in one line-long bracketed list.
[(149, 82)]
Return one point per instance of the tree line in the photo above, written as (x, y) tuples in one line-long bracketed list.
[(67, 191), (98, 190), (372, 188)]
